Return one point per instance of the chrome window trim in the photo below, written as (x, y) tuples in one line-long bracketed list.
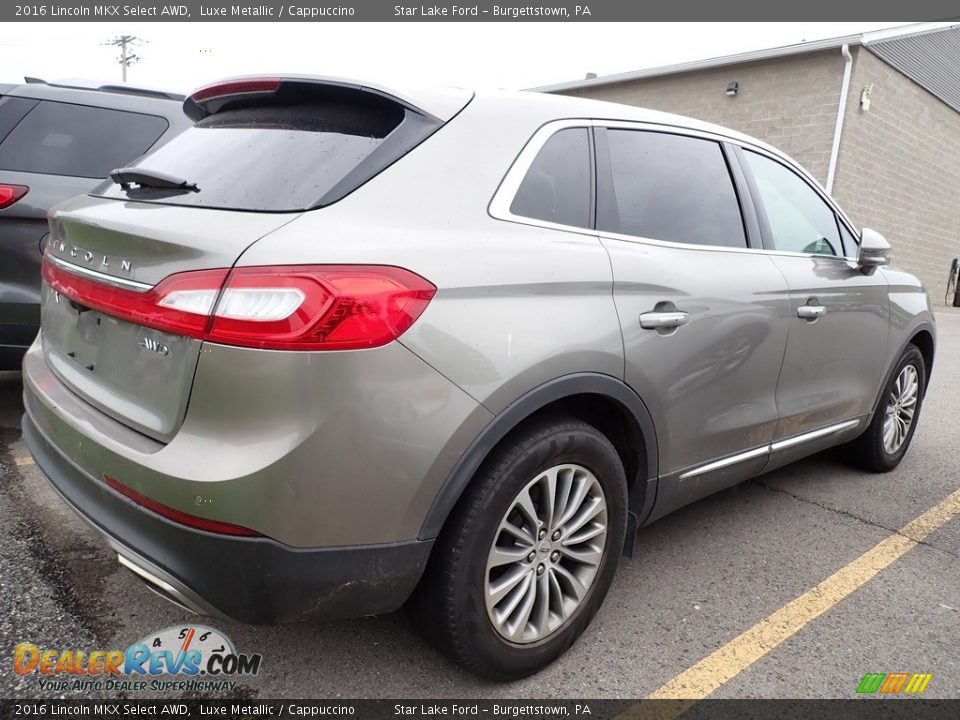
[(769, 448), (99, 276), (499, 207), (721, 248)]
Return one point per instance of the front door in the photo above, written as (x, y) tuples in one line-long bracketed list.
[(839, 316)]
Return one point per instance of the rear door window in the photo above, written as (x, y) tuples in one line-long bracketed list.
[(670, 187), (556, 188), (64, 139)]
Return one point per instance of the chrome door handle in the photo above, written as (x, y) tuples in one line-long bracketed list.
[(659, 320), (811, 312)]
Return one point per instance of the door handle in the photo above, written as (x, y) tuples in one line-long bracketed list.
[(811, 312), (660, 320)]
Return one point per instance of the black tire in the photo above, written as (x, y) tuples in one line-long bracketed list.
[(867, 451), (449, 605)]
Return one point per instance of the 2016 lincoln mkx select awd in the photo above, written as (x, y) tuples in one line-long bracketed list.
[(338, 348)]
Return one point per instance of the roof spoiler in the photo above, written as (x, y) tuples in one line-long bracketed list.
[(439, 104)]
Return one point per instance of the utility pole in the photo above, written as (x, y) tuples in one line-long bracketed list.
[(127, 57)]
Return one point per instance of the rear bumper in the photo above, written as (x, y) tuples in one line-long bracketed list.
[(253, 580)]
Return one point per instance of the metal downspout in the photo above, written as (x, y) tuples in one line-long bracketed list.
[(841, 111)]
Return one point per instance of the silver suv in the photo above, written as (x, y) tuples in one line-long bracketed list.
[(338, 348)]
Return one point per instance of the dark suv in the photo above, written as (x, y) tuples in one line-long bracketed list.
[(57, 141)]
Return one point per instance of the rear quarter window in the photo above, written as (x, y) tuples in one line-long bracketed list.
[(57, 138), (556, 188)]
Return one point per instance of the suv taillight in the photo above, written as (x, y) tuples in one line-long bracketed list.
[(9, 194), (303, 307)]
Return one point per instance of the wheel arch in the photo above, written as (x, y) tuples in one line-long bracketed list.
[(923, 339), (923, 335), (601, 400)]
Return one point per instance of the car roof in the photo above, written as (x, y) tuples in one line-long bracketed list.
[(444, 102), (559, 107), (115, 96)]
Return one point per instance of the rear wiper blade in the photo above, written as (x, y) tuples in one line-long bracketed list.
[(125, 177)]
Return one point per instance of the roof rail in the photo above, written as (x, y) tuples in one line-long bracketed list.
[(96, 85), (147, 92)]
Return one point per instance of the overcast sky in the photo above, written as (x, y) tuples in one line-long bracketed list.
[(182, 56)]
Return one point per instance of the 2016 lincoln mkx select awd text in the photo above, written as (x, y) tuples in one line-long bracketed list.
[(338, 348)]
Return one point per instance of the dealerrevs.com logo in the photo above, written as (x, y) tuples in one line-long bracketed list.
[(198, 657)]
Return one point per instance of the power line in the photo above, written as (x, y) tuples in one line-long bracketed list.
[(127, 56)]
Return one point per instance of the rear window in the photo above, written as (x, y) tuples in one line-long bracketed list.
[(64, 139), (281, 158)]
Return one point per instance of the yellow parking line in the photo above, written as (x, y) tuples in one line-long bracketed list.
[(20, 462), (724, 664)]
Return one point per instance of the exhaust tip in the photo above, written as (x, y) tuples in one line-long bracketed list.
[(162, 587)]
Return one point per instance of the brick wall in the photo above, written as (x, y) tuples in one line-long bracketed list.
[(899, 165), (788, 102), (899, 170)]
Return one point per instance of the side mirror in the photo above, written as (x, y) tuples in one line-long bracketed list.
[(874, 251)]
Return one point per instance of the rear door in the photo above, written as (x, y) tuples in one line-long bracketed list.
[(839, 317), (701, 308)]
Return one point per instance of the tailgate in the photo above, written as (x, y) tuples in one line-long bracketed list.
[(138, 375)]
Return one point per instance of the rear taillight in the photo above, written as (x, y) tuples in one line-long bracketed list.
[(177, 516), (308, 307), (9, 194), (319, 307), (145, 308)]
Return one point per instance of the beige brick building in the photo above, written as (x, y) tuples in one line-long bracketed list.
[(897, 161)]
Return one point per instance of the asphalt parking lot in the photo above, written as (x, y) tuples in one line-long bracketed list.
[(698, 580)]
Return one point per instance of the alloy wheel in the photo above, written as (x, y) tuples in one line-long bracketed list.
[(901, 407), (546, 554)]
